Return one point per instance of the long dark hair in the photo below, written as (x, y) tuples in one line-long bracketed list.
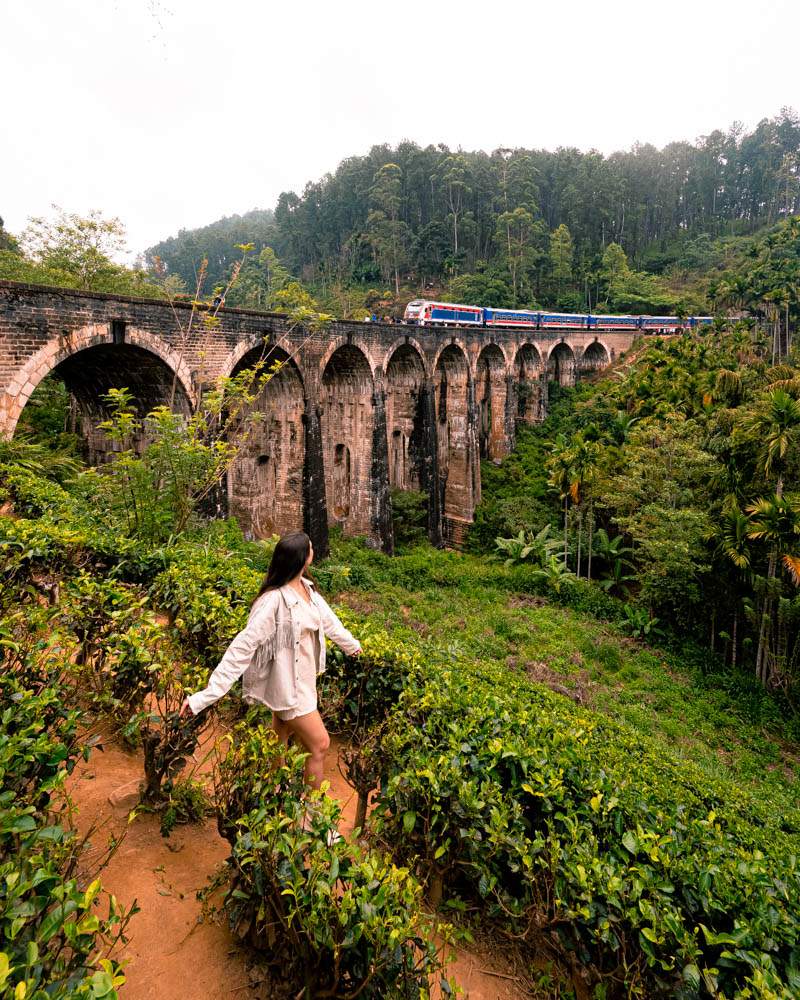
[(288, 560)]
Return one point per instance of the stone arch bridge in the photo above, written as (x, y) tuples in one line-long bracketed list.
[(355, 411)]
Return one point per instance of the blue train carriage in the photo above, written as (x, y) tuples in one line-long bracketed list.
[(511, 317), (661, 324), (422, 312), (555, 321), (695, 321), (614, 322)]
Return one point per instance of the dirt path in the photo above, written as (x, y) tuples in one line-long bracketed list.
[(172, 954)]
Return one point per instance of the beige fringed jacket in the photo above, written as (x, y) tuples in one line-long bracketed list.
[(265, 655)]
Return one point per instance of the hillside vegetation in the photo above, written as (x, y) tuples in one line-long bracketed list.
[(556, 758), (642, 230)]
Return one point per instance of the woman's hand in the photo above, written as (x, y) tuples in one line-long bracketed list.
[(186, 708)]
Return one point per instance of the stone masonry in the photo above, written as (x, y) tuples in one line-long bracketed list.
[(354, 411)]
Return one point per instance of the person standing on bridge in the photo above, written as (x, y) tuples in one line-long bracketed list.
[(281, 651)]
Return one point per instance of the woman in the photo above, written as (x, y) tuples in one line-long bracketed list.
[(281, 651)]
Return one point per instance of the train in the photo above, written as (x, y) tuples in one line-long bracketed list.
[(423, 312)]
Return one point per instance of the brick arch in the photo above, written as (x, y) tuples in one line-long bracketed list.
[(491, 346), (561, 363), (411, 342), (454, 437), (562, 345), (529, 367), (61, 349), (335, 343), (591, 366), (451, 342), (528, 346), (404, 382), (243, 348), (265, 483), (491, 397), (347, 421)]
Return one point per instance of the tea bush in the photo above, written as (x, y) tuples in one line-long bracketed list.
[(348, 921), (52, 930), (554, 820)]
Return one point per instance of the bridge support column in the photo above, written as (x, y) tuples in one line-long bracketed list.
[(429, 461), (315, 508), (544, 396), (511, 413), (379, 474), (473, 451)]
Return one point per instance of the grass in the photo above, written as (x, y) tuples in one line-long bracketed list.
[(475, 606)]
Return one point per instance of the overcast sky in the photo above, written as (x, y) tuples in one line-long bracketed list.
[(171, 114)]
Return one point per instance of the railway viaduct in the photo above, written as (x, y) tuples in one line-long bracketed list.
[(355, 410)]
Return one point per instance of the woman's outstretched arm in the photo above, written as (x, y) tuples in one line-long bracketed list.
[(334, 629), (237, 658)]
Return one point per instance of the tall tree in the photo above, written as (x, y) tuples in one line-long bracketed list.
[(561, 251), (388, 234)]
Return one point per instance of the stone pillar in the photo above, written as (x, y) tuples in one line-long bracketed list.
[(381, 499), (544, 396), (315, 508), (427, 451), (473, 451), (511, 413)]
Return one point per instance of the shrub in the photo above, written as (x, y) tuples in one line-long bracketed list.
[(51, 931), (553, 820), (340, 919)]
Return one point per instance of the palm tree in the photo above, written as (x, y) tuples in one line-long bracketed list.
[(774, 520), (732, 544), (775, 425), (582, 470), (558, 465), (621, 426)]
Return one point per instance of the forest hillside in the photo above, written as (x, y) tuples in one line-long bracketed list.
[(581, 736), (642, 230)]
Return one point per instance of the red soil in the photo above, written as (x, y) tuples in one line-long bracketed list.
[(172, 953)]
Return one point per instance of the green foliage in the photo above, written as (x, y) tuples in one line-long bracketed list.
[(358, 692), (639, 623), (188, 803), (75, 252), (409, 517), (54, 930), (425, 216), (510, 799), (350, 922), (536, 548), (216, 243)]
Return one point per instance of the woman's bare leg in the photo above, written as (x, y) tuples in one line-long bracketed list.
[(281, 728), (311, 732)]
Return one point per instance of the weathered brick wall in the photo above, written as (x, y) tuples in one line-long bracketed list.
[(362, 406)]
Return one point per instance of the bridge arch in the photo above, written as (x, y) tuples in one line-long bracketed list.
[(528, 370), (594, 356), (347, 419), (491, 392), (561, 364), (452, 341), (150, 363), (90, 362), (451, 392), (334, 343), (247, 348), (265, 483), (410, 342), (405, 416)]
